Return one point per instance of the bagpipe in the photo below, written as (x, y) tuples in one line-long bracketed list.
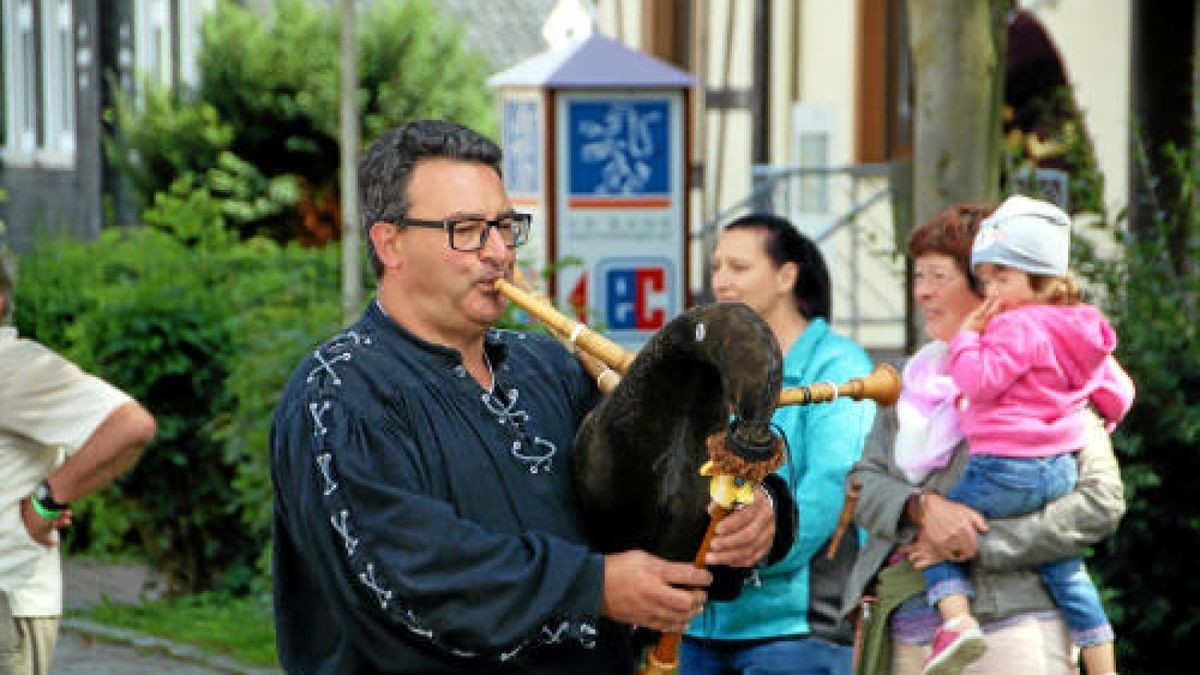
[(696, 400)]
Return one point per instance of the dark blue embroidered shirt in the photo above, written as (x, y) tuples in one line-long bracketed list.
[(425, 525)]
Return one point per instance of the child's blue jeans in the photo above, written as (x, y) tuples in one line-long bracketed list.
[(1000, 487)]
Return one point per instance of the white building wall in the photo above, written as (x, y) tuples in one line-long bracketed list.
[(814, 63), (828, 46), (1094, 39)]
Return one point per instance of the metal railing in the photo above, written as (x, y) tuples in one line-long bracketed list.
[(847, 212)]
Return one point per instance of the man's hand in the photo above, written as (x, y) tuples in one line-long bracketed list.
[(644, 590), (743, 537), (950, 529), (41, 530)]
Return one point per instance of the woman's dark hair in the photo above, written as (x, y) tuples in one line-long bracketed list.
[(951, 232), (785, 244)]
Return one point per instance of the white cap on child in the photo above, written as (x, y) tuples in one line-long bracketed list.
[(1026, 234)]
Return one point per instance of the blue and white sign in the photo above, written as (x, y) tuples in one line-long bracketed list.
[(619, 149), (619, 207)]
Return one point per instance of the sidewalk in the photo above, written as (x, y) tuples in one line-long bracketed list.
[(87, 648)]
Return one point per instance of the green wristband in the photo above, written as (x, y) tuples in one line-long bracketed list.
[(48, 514)]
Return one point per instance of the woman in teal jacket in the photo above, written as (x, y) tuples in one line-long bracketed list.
[(787, 618)]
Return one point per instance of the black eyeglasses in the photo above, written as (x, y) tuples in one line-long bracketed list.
[(470, 234)]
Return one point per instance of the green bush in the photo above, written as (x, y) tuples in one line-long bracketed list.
[(285, 302), (166, 136), (203, 329), (1151, 295)]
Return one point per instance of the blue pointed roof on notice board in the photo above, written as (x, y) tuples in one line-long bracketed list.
[(597, 62)]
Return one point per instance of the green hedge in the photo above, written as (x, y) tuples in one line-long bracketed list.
[(204, 333), (1152, 295)]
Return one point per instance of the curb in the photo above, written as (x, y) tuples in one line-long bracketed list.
[(150, 643)]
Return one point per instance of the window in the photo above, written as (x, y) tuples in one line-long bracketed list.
[(21, 114), (188, 20), (59, 89), (39, 80), (813, 127), (152, 42)]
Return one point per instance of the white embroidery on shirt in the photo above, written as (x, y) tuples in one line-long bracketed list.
[(539, 457), (344, 341), (317, 411), (383, 595), (406, 616), (338, 348), (587, 635), (327, 366), (505, 414), (323, 462), (555, 635), (341, 523), (536, 461), (510, 654), (541, 453)]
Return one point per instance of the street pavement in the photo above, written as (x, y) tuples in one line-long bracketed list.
[(79, 653), (86, 648)]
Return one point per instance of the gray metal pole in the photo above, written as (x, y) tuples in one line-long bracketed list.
[(351, 239)]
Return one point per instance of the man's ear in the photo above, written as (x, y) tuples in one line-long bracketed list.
[(385, 238)]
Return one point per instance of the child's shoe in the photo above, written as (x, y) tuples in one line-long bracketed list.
[(956, 645)]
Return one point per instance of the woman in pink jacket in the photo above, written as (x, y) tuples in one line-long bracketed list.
[(1026, 364)]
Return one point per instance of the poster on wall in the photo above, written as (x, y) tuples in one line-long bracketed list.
[(620, 210)]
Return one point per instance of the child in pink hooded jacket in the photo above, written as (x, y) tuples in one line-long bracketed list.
[(1027, 364)]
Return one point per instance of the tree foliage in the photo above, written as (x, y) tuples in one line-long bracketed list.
[(1152, 295), (203, 328), (268, 97)]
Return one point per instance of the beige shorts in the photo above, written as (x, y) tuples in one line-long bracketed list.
[(1035, 647), (26, 643)]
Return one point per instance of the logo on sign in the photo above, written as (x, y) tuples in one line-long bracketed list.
[(636, 296), (620, 154)]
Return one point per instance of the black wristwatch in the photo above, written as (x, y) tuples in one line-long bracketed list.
[(43, 498)]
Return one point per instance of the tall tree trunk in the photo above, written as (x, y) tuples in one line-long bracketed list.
[(957, 49), (958, 62)]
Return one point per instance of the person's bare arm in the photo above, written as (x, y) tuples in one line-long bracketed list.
[(113, 448)]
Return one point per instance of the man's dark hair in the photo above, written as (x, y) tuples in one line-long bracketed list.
[(786, 244), (386, 168)]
